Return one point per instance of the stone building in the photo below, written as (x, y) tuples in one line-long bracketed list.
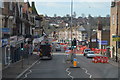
[(115, 27)]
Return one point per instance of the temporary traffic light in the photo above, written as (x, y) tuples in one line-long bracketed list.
[(22, 47), (74, 42)]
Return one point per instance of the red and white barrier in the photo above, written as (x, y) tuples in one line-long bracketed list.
[(100, 59)]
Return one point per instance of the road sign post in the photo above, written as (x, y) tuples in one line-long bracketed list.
[(117, 39)]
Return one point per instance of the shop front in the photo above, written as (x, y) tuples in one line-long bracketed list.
[(5, 52)]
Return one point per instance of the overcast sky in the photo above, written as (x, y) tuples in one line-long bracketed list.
[(62, 7)]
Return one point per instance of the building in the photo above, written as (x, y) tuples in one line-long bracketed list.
[(115, 28), (11, 31), (18, 19)]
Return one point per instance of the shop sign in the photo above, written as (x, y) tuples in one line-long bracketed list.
[(4, 42), (5, 30)]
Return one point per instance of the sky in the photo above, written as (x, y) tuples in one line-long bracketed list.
[(63, 7)]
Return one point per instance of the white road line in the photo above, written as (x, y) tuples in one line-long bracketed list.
[(27, 69), (30, 71), (39, 62), (69, 73), (86, 71)]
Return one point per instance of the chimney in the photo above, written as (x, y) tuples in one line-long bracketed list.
[(33, 4)]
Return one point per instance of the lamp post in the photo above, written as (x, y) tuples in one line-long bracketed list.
[(90, 45), (71, 20)]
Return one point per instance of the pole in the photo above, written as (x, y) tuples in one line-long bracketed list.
[(71, 28), (96, 40), (22, 61), (116, 35), (71, 19), (90, 38)]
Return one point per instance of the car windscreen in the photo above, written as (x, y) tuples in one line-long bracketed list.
[(87, 50), (90, 52)]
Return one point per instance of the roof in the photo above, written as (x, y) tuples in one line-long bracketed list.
[(81, 28)]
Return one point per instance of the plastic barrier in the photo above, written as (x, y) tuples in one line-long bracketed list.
[(94, 60), (100, 59)]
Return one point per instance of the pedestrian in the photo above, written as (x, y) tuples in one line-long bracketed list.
[(113, 50), (30, 49)]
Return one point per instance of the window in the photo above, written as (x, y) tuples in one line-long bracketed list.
[(113, 19), (10, 6), (1, 4)]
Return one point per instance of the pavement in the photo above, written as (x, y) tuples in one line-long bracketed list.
[(57, 68), (15, 69)]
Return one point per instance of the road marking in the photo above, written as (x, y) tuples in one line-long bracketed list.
[(86, 71), (39, 62), (30, 71), (27, 69), (69, 73)]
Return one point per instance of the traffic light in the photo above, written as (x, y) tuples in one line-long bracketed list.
[(74, 43)]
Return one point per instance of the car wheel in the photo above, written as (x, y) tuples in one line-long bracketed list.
[(84, 54)]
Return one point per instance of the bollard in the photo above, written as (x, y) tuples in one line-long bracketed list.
[(74, 64)]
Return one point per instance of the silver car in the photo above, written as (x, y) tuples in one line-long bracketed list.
[(90, 54), (86, 51)]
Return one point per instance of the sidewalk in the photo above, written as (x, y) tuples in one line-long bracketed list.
[(113, 62), (16, 68)]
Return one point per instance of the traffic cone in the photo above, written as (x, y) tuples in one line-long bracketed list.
[(106, 60), (74, 64), (94, 60), (102, 60)]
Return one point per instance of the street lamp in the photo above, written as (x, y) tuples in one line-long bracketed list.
[(71, 20)]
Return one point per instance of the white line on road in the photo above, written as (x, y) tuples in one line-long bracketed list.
[(27, 69), (39, 62), (86, 71), (30, 71), (69, 73)]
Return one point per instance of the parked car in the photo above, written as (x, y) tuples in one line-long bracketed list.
[(58, 47), (86, 51), (90, 54)]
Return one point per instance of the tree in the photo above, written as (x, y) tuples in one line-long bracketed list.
[(74, 15), (107, 15), (83, 15), (55, 15)]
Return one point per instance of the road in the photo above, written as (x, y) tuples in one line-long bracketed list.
[(59, 68)]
